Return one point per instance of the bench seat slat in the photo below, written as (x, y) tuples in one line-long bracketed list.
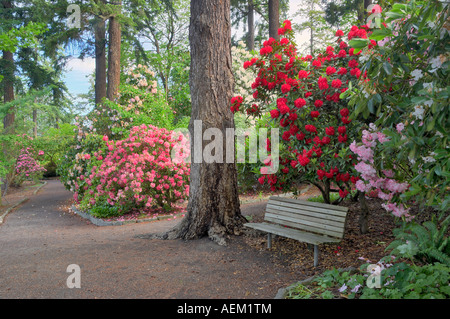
[(292, 233), (304, 226), (311, 204), (319, 210), (299, 213), (304, 222)]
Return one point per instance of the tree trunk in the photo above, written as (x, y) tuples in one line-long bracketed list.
[(35, 122), (213, 208), (274, 19), (114, 57), (8, 94), (364, 215), (100, 61), (251, 26)]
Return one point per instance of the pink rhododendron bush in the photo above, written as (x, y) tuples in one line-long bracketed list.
[(146, 172)]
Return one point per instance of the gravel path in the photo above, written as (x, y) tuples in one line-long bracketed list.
[(38, 241)]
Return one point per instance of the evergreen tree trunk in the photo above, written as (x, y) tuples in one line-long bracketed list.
[(114, 57), (100, 61), (274, 19), (8, 93), (213, 208), (251, 26), (8, 80)]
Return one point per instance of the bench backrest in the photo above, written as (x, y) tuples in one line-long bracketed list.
[(319, 218)]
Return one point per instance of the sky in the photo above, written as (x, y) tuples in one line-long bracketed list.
[(77, 70)]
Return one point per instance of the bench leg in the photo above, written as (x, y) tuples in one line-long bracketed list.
[(269, 240), (316, 255)]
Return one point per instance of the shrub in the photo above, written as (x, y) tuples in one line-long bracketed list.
[(137, 173), (303, 97)]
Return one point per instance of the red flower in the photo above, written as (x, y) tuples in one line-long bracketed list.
[(266, 50), (343, 193), (302, 74), (330, 70), (344, 112), (285, 88), (294, 164), (323, 83), (300, 103), (342, 71), (317, 63), (315, 114), (330, 131), (342, 138), (300, 136), (303, 160), (294, 128), (326, 140), (284, 109), (353, 63), (286, 135), (345, 120), (293, 116), (320, 173), (342, 54), (336, 83), (318, 103), (274, 114), (261, 180), (310, 128), (339, 33), (342, 129)]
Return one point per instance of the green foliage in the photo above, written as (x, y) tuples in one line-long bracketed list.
[(319, 199), (427, 243), (398, 281), (409, 86), (105, 211)]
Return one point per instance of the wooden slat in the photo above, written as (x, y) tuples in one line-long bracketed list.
[(338, 226), (305, 226), (292, 233), (330, 210), (308, 203), (301, 212)]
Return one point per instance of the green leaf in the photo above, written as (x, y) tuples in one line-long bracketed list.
[(387, 67), (358, 43)]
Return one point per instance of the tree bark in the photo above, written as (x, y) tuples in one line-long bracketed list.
[(8, 94), (213, 208), (100, 61), (251, 26), (274, 19), (8, 80), (114, 57), (364, 214)]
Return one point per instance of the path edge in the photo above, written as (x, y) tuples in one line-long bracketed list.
[(2, 217)]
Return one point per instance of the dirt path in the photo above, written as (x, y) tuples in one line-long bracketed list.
[(38, 241)]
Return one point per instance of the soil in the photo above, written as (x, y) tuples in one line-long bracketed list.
[(42, 237)]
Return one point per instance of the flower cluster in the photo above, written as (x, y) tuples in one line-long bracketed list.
[(27, 167), (313, 118), (382, 183), (138, 173)]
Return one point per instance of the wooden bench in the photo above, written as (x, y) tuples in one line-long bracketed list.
[(310, 222)]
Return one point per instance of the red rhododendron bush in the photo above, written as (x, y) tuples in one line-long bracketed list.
[(143, 172), (304, 98)]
